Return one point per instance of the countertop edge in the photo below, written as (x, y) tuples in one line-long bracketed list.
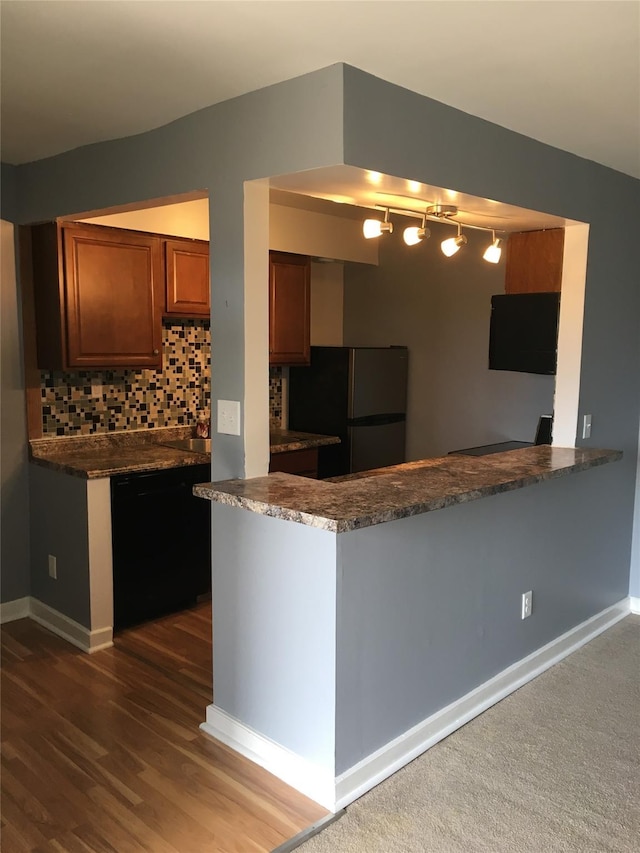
[(304, 444), (259, 507), (82, 472)]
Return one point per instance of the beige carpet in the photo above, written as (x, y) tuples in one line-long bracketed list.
[(553, 767)]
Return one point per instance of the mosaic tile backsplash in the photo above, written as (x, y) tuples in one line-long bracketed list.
[(103, 401), (275, 397)]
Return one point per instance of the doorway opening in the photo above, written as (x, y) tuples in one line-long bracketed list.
[(411, 295)]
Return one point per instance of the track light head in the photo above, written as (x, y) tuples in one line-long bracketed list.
[(450, 247), (414, 234), (492, 253), (374, 227)]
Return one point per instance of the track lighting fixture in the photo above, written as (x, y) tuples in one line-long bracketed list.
[(450, 247), (439, 213), (414, 234), (493, 252), (374, 228)]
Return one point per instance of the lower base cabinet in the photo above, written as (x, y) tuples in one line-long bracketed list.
[(161, 537), (304, 463)]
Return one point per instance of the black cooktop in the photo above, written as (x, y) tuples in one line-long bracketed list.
[(485, 449)]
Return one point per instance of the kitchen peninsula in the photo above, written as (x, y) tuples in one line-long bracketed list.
[(354, 501), (358, 627)]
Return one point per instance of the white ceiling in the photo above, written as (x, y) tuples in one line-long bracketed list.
[(343, 190), (81, 71)]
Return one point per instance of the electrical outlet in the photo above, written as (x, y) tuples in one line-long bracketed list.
[(527, 604), (229, 417), (53, 567), (586, 426)]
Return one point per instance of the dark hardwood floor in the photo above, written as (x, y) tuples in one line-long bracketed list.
[(103, 752)]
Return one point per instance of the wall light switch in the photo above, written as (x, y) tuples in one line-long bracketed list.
[(586, 426), (229, 417)]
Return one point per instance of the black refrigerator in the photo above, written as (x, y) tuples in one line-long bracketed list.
[(358, 394)]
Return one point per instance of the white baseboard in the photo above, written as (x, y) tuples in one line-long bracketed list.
[(336, 793), (16, 609), (634, 602), (68, 629), (313, 781), (379, 765)]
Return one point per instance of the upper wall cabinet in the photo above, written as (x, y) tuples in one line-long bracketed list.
[(289, 308), (187, 278), (98, 297), (534, 261)]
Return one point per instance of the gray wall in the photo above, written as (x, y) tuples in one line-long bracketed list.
[(275, 630), (14, 462), (59, 526), (429, 606), (440, 308), (634, 588), (426, 141)]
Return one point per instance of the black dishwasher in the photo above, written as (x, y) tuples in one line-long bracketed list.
[(161, 536)]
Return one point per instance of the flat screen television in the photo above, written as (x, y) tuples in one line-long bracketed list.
[(523, 334)]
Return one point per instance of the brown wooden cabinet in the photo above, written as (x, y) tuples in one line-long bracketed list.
[(304, 463), (289, 308), (187, 278), (534, 261), (98, 297)]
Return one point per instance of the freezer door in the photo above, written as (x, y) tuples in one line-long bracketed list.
[(376, 446), (378, 381)]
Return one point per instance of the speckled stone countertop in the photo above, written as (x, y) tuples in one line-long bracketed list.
[(125, 452), (386, 494), (284, 440), (94, 456)]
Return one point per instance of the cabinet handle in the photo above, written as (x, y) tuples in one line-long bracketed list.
[(155, 352)]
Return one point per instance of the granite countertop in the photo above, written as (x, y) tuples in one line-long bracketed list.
[(94, 456), (284, 440), (386, 494), (134, 451)]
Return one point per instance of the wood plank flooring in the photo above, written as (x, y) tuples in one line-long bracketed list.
[(102, 753)]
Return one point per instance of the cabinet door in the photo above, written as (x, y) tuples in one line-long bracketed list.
[(534, 261), (113, 294), (187, 278), (289, 312)]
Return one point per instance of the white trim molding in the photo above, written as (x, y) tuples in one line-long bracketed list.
[(634, 603), (17, 609), (336, 793), (313, 781), (71, 631)]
